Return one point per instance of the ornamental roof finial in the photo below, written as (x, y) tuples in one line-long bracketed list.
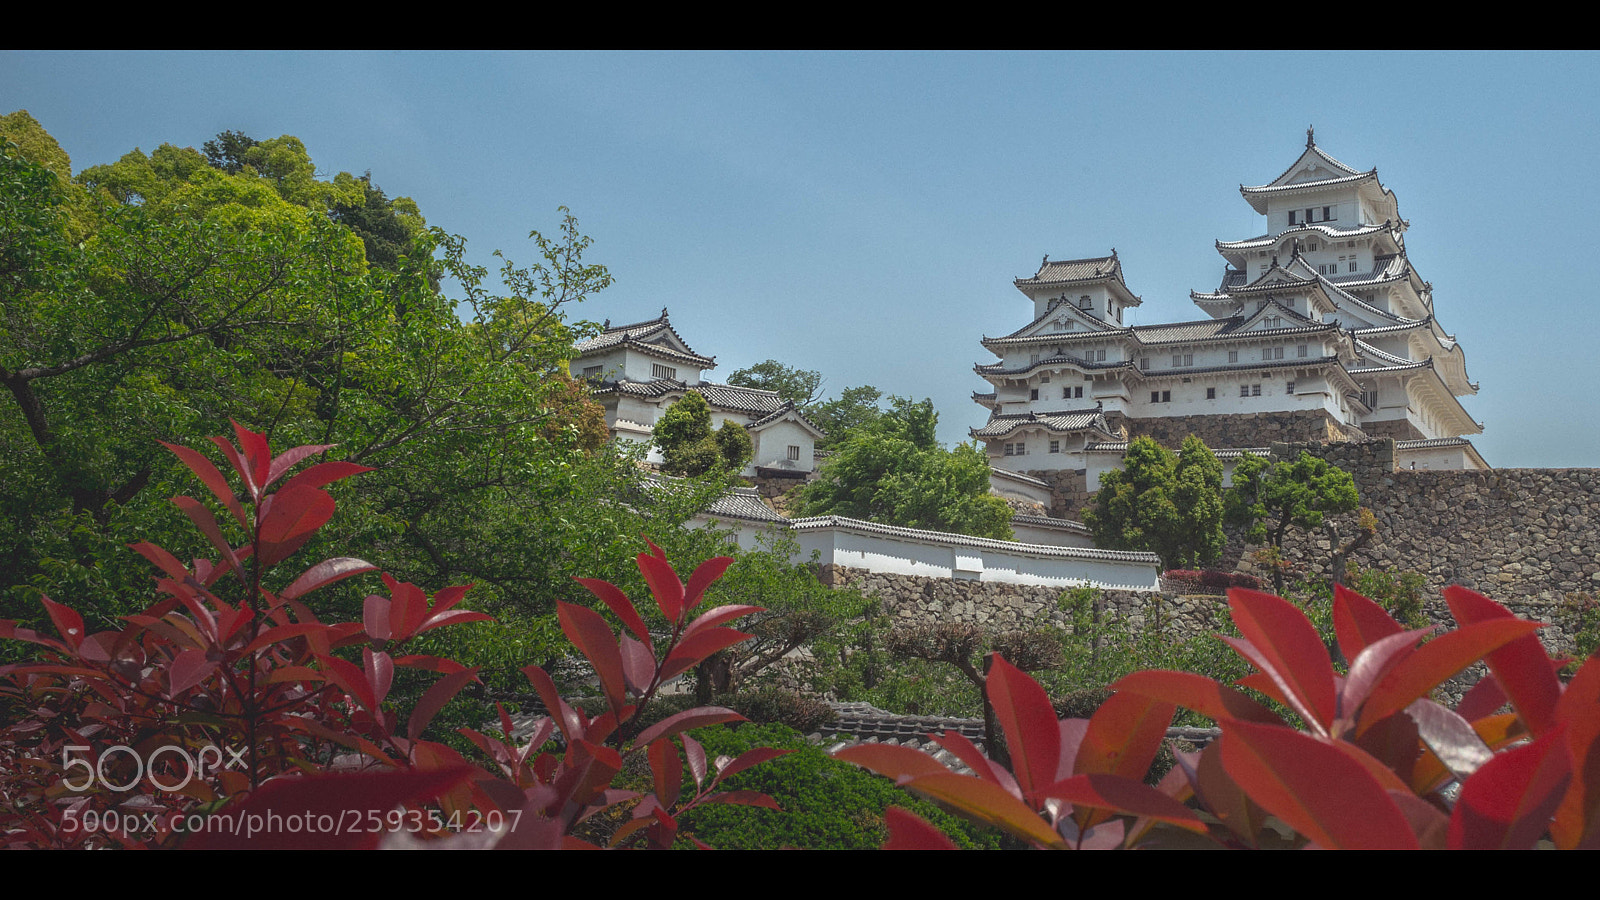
[(1311, 136), (663, 312), (1044, 262)]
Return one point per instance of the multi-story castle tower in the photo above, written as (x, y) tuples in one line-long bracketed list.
[(1320, 330)]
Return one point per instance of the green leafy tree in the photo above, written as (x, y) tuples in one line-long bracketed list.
[(893, 471), (683, 435), (803, 386), (854, 408), (1161, 503), (1269, 498), (156, 298)]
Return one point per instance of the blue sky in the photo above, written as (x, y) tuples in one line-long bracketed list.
[(863, 214)]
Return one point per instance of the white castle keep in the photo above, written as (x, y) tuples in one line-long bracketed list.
[(1320, 330)]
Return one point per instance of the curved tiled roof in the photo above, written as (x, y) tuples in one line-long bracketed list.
[(745, 504), (788, 407), (1000, 369), (1051, 522), (1328, 231), (1071, 271), (741, 399), (1055, 422), (1017, 476), (645, 337), (961, 540)]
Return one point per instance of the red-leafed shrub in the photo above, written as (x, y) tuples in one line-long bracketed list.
[(1369, 769), (228, 715)]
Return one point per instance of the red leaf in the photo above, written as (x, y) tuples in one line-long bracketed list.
[(566, 718), (207, 523), (1374, 662), (1029, 722), (324, 573), (256, 453), (352, 680), (718, 615), (690, 718), (291, 457), (1521, 666), (696, 755), (694, 649), (211, 478), (907, 831), (704, 575), (1203, 695), (239, 466), (1436, 662), (638, 666), (1124, 735), (283, 633), (188, 669), (1507, 804), (1127, 796), (380, 674), (898, 763), (1579, 710), (667, 770), (408, 608), (1293, 652), (664, 584), (434, 699), (335, 797), (1482, 699), (1428, 822), (989, 804), (67, 621), (296, 514), (1454, 742), (590, 634), (163, 560), (620, 606), (325, 473), (375, 617), (982, 766), (1358, 622), (1321, 792)]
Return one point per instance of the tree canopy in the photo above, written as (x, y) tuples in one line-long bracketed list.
[(689, 446), (1165, 503), (157, 298), (803, 386), (893, 470), (1269, 498)]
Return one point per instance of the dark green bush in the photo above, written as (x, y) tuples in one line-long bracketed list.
[(828, 805)]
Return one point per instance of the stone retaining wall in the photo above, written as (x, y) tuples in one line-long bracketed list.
[(1239, 429), (996, 607), (1068, 490), (1528, 538)]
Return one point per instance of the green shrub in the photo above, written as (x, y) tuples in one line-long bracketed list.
[(827, 804)]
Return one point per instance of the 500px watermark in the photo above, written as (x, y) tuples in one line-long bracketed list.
[(204, 761)]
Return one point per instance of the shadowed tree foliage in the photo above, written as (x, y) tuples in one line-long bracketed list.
[(1269, 498), (892, 470), (689, 446)]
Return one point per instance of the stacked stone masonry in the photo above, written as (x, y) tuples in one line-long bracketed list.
[(1240, 429), (998, 607), (1528, 538), (1069, 490)]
